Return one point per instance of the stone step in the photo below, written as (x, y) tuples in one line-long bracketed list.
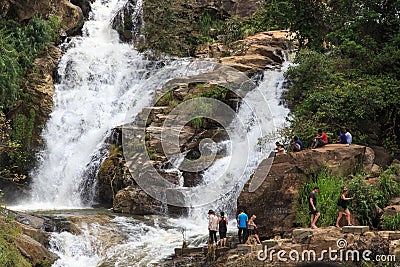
[(355, 229), (246, 249), (187, 251)]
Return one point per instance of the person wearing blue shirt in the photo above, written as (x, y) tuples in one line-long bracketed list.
[(242, 226), (349, 138), (296, 139)]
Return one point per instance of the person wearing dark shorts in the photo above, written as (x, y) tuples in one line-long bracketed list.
[(223, 228), (342, 207), (312, 205)]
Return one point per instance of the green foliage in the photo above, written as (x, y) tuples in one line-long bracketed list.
[(151, 153), (329, 95), (349, 75), (20, 46), (166, 99), (391, 223), (367, 198), (330, 188), (10, 153), (364, 205), (177, 27), (197, 123), (9, 254)]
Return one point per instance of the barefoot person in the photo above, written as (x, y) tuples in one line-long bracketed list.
[(342, 207), (212, 227), (222, 226), (252, 228), (312, 204)]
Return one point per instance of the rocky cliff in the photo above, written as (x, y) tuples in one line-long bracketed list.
[(178, 27), (275, 200), (70, 16)]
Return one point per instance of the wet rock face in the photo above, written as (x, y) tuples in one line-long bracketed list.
[(70, 16), (41, 90), (274, 201), (125, 194)]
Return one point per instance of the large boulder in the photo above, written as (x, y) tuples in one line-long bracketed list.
[(70, 16), (41, 90), (148, 155), (134, 200), (261, 51), (33, 250), (274, 201)]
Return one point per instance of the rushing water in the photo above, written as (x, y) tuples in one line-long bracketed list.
[(100, 79)]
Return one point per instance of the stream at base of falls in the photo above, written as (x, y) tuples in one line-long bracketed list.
[(99, 237)]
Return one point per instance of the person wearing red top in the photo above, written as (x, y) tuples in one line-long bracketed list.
[(320, 140)]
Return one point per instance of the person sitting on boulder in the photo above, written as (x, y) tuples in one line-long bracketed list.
[(279, 149), (295, 147), (297, 140), (320, 140), (349, 138), (341, 138)]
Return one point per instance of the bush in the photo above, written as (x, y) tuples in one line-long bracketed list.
[(368, 198), (9, 254), (391, 223), (21, 45)]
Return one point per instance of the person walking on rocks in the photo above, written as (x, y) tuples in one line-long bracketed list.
[(222, 226), (242, 226), (252, 230), (312, 204), (212, 226), (342, 207)]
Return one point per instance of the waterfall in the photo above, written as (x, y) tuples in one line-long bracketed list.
[(261, 113), (153, 238), (100, 79)]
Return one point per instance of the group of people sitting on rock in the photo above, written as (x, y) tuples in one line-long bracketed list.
[(295, 145), (320, 140), (247, 229)]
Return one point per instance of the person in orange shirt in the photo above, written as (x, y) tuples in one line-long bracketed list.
[(320, 140)]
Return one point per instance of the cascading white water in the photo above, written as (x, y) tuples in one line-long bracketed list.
[(262, 113), (154, 238), (100, 80)]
